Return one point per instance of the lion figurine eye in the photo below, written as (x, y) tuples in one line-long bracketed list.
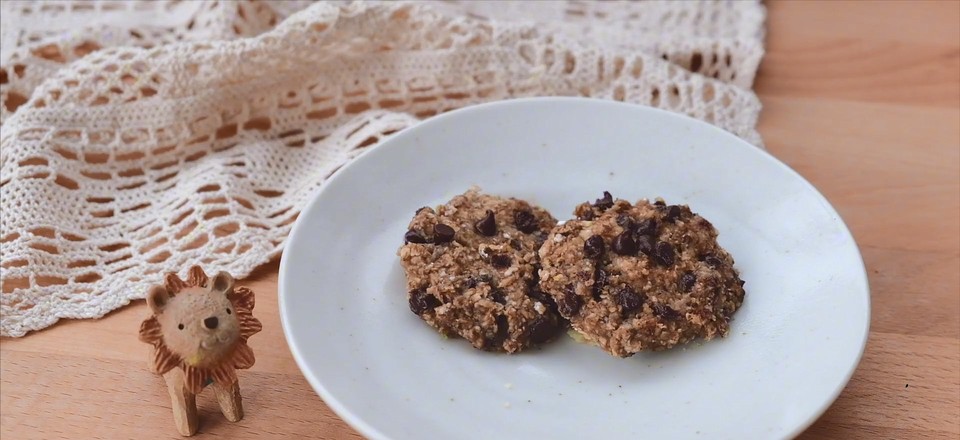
[(228, 311), (180, 326)]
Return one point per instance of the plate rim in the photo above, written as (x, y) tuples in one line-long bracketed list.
[(367, 430)]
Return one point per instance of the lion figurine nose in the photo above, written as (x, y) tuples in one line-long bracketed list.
[(211, 322)]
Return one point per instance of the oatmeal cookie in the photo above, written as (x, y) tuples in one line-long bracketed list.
[(643, 276), (471, 268)]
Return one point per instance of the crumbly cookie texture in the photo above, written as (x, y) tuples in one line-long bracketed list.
[(472, 268), (643, 276)]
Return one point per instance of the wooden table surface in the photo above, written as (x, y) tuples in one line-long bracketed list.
[(861, 98)]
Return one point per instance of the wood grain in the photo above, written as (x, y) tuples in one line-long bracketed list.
[(862, 98)]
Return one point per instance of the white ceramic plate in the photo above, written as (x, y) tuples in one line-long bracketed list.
[(792, 347)]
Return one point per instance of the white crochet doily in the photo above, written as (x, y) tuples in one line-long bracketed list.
[(144, 137)]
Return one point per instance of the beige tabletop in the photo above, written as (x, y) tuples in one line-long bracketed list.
[(861, 98)]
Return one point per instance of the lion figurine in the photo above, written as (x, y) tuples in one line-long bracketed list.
[(199, 332)]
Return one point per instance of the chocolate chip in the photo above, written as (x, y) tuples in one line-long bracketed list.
[(503, 331), (604, 203), (629, 300), (525, 221), (660, 203), (516, 244), (414, 237), (442, 233), (594, 247), (498, 296), (672, 214), (570, 303), (647, 226), (600, 279), (645, 244), (742, 282), (421, 209), (587, 214), (500, 261), (687, 280), (664, 311), (538, 295), (713, 261), (624, 244), (421, 301), (487, 225), (664, 254), (541, 329), (626, 222)]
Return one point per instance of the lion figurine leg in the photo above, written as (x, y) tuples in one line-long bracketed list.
[(184, 403), (231, 404)]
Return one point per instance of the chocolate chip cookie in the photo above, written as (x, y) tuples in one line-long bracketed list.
[(472, 268), (643, 276)]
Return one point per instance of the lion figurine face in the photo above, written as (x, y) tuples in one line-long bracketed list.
[(199, 325), (202, 326)]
